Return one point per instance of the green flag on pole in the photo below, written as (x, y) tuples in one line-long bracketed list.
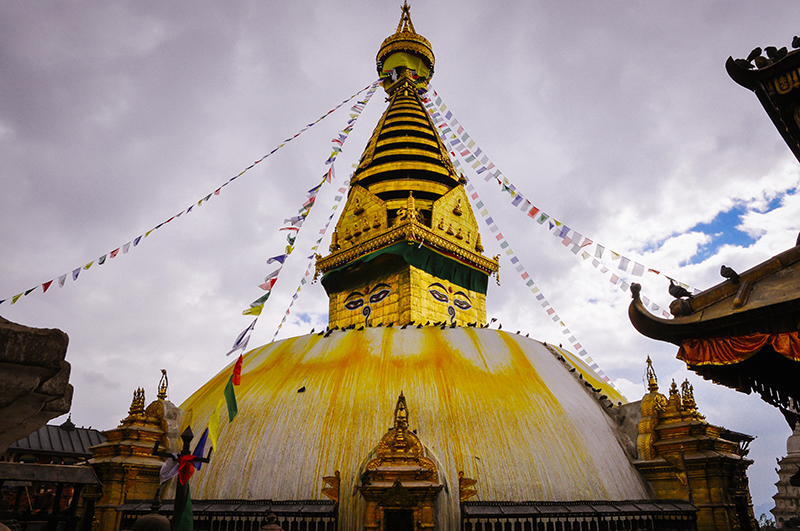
[(230, 399), (184, 517)]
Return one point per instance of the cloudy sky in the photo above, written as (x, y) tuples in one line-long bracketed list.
[(617, 118)]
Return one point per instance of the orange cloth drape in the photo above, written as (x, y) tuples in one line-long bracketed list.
[(729, 350)]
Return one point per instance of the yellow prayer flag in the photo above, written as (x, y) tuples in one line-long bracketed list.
[(256, 310), (87, 266), (213, 425)]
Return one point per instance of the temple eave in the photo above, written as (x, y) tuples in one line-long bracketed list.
[(410, 231)]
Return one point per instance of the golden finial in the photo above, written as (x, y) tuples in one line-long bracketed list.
[(405, 23), (401, 413), (137, 404), (673, 389), (652, 379), (163, 384), (411, 44), (687, 395), (689, 404)]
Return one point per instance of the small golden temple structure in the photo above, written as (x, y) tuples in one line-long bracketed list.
[(408, 413)]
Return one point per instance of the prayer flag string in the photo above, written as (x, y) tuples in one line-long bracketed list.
[(461, 145), (294, 224), (338, 144), (480, 207), (125, 248)]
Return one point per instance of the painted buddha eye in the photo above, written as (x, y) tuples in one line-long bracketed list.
[(438, 295), (461, 305), (352, 305), (378, 297), (461, 301)]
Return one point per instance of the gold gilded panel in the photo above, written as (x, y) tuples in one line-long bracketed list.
[(453, 219), (784, 83), (364, 217), (401, 294), (438, 300), (376, 301)]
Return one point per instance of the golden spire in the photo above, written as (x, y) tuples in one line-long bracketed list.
[(137, 404), (652, 379), (689, 404), (401, 413), (162, 385), (405, 23), (407, 245)]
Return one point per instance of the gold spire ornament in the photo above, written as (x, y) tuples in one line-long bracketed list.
[(137, 404), (163, 384)]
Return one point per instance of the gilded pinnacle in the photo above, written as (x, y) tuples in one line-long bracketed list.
[(652, 379)]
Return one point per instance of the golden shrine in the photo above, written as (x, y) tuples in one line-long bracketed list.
[(408, 413)]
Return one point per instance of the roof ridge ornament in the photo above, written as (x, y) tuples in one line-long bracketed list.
[(137, 404)]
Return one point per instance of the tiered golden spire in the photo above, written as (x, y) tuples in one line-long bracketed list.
[(407, 202)]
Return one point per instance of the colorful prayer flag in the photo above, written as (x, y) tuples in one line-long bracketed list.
[(199, 450), (237, 371), (230, 400), (213, 425), (184, 516)]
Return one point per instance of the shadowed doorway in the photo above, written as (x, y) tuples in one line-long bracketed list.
[(398, 520)]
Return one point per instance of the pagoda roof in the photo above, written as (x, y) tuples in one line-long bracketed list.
[(764, 299), (776, 81), (741, 333), (65, 440)]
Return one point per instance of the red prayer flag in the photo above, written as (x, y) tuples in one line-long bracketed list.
[(266, 286), (113, 253), (533, 212), (185, 468), (46, 285), (237, 371)]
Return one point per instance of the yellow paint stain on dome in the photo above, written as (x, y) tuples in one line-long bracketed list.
[(499, 407), (590, 376)]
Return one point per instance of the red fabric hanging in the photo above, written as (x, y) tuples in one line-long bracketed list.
[(730, 350)]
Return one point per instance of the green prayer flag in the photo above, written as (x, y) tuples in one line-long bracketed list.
[(184, 516), (230, 399), (261, 300)]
